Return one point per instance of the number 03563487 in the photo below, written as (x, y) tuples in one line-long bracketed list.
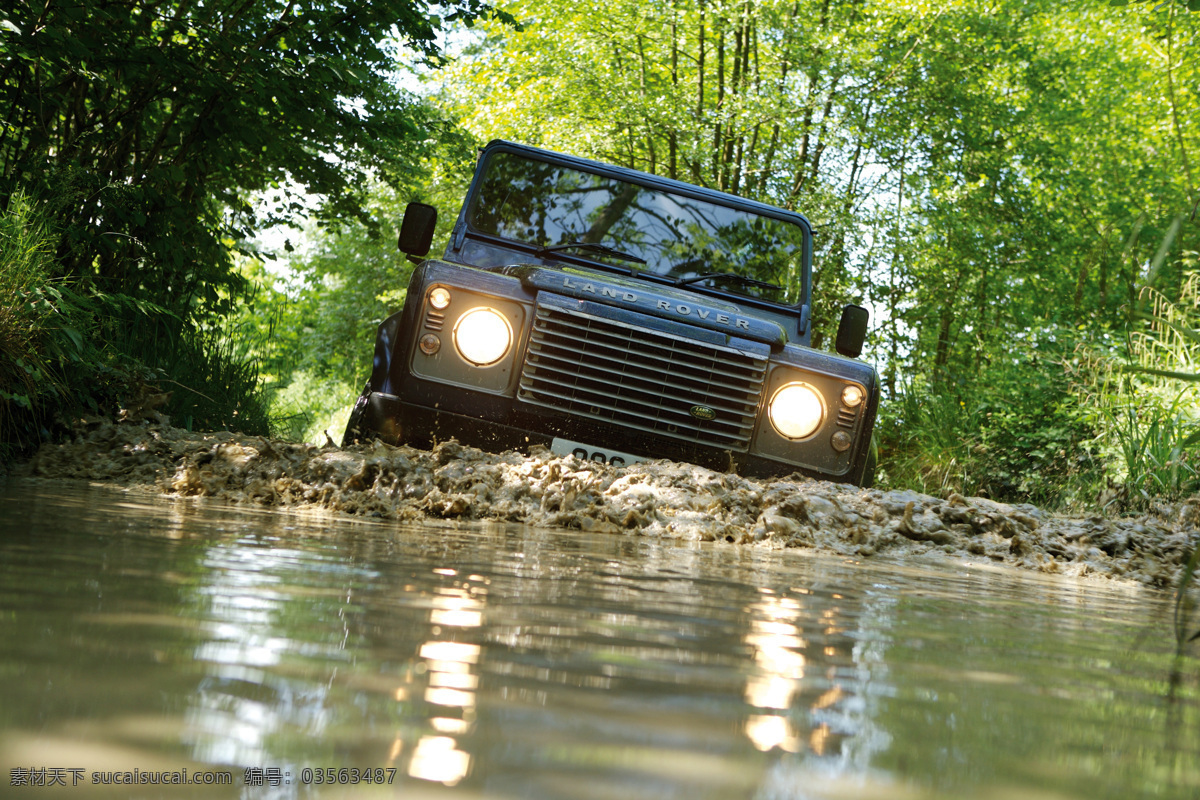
[(346, 775)]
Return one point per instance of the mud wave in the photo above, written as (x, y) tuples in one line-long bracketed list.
[(659, 498)]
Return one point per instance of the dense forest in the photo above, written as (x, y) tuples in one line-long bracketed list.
[(1010, 187)]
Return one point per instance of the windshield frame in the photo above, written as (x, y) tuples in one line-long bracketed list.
[(528, 252)]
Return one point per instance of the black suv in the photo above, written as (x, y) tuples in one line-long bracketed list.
[(618, 316)]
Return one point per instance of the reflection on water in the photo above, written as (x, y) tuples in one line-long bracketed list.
[(138, 633), (779, 655), (451, 684)]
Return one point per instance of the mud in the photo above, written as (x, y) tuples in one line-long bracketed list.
[(661, 499)]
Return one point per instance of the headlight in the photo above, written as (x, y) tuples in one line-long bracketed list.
[(796, 411), (482, 336)]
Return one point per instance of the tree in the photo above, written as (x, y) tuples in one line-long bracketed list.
[(154, 124), (752, 97), (150, 129), (311, 327)]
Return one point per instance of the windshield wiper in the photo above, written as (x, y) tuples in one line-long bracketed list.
[(595, 247), (742, 279)]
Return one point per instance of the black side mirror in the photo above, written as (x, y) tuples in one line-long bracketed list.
[(852, 331), (416, 229)]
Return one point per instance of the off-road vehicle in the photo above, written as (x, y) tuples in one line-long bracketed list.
[(618, 316)]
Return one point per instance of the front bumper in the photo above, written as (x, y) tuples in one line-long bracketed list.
[(395, 421)]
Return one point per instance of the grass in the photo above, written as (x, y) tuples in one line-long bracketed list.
[(1147, 404), (41, 328), (1017, 434), (65, 351), (214, 384), (1069, 428), (309, 407)]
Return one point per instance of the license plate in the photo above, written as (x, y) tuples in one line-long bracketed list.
[(563, 447)]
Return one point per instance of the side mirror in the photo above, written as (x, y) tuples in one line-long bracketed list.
[(416, 229), (852, 331)]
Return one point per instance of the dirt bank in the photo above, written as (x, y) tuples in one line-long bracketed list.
[(660, 498)]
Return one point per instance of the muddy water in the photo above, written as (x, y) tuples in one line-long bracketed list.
[(142, 635), (656, 499)]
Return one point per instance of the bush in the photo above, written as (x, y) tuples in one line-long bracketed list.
[(212, 376), (65, 352), (1145, 403), (1013, 433), (310, 407), (43, 329)]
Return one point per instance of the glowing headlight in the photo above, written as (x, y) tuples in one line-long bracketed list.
[(482, 336), (796, 411)]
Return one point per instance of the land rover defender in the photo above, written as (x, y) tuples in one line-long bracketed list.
[(618, 316)]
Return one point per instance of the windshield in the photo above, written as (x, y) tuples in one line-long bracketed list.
[(546, 205)]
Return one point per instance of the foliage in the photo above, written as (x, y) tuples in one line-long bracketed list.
[(312, 321), (309, 408), (1170, 347), (992, 183), (998, 183), (1145, 409), (946, 142), (154, 125), (63, 352), (162, 118), (212, 379), (1070, 423), (40, 323), (1022, 437), (747, 97)]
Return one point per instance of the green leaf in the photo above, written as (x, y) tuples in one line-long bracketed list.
[(75, 336), (1162, 373)]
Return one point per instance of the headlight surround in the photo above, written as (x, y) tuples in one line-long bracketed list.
[(482, 336), (796, 411)]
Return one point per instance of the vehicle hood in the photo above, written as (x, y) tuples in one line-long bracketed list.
[(665, 302)]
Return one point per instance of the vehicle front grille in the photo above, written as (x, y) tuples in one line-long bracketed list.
[(643, 379)]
